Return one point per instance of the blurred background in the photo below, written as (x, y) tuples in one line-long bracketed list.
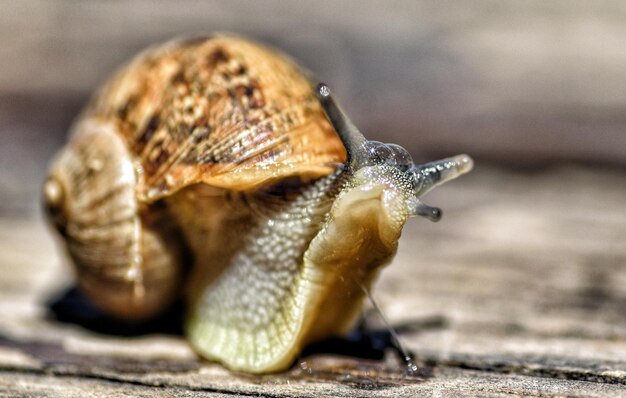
[(521, 84)]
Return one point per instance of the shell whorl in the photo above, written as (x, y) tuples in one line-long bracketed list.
[(127, 262)]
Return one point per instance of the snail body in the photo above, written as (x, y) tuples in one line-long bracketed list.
[(215, 169)]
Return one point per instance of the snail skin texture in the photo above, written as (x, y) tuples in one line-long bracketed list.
[(216, 170)]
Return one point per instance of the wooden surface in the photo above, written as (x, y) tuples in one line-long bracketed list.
[(519, 290)]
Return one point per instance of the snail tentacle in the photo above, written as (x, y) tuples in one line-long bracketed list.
[(419, 208), (429, 175), (352, 138)]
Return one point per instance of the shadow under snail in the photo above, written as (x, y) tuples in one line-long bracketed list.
[(215, 169)]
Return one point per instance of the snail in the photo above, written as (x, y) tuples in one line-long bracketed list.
[(215, 169)]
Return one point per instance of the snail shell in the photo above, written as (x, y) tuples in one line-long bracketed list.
[(214, 169)]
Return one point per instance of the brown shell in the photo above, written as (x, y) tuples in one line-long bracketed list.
[(221, 110)]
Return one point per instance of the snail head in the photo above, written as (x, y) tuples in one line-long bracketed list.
[(363, 153)]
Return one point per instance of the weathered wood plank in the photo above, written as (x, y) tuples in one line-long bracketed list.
[(527, 270), (513, 293), (17, 385), (450, 382)]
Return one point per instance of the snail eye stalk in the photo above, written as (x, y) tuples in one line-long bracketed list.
[(349, 134), (429, 175)]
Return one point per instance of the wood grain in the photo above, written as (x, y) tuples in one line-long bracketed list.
[(519, 291)]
